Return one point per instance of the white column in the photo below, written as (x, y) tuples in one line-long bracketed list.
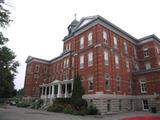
[(59, 91), (52, 91), (49, 91), (45, 91), (66, 92)]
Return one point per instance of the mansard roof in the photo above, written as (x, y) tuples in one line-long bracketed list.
[(85, 21)]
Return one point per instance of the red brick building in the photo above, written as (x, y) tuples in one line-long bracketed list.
[(120, 72)]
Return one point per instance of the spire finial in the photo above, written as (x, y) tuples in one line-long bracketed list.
[(75, 15)]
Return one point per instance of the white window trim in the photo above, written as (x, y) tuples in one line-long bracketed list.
[(90, 59), (105, 36), (107, 78), (125, 47), (117, 61), (143, 105), (90, 38), (146, 52), (90, 79), (82, 42), (106, 57), (141, 83), (81, 61), (115, 40), (148, 66)]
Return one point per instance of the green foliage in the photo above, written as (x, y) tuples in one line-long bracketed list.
[(92, 110), (23, 104), (37, 104), (56, 108), (8, 66), (78, 90)]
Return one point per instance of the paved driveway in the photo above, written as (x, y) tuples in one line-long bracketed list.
[(14, 113)]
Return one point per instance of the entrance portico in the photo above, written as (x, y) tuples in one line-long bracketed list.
[(57, 89)]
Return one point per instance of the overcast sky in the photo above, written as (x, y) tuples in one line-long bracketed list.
[(40, 25)]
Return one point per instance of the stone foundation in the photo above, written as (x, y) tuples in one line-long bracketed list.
[(110, 104)]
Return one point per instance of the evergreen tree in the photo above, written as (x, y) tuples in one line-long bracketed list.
[(8, 65), (78, 90)]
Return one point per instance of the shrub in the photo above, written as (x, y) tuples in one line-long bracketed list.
[(79, 103), (23, 104), (92, 110), (68, 110), (56, 108), (37, 104)]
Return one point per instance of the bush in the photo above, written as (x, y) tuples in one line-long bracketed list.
[(37, 104), (92, 110), (56, 108), (79, 103), (23, 104), (2, 100), (68, 110)]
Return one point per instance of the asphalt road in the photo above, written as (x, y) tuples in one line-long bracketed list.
[(14, 113)]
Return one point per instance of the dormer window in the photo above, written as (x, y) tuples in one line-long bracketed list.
[(90, 39), (146, 52)]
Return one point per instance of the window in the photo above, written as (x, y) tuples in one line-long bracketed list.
[(81, 61), (143, 86), (45, 69), (130, 86), (107, 81), (36, 77), (81, 42), (125, 47), (72, 61), (117, 61), (69, 46), (146, 52), (147, 66), (90, 39), (106, 58), (158, 50), (90, 59), (105, 36), (145, 105), (120, 105), (67, 62), (115, 40), (136, 67), (37, 68), (127, 65), (29, 70), (108, 105), (69, 88), (118, 85), (135, 53), (90, 83)]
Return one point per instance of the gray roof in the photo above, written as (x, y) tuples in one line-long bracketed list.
[(148, 37), (85, 21)]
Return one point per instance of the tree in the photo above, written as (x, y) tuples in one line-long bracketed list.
[(8, 65), (78, 90)]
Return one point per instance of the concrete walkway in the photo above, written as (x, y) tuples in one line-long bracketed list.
[(14, 113)]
